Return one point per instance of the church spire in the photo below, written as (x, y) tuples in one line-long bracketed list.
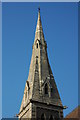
[(39, 30), (39, 24), (40, 89)]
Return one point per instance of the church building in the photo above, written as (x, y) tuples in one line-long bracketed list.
[(41, 99)]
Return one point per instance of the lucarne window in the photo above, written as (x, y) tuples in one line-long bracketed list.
[(46, 88), (37, 61), (37, 45)]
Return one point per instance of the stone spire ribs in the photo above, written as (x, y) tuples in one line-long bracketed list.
[(40, 85)]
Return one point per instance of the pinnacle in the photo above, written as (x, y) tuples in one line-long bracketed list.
[(39, 30)]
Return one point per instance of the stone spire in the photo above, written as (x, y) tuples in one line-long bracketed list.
[(39, 30), (40, 86)]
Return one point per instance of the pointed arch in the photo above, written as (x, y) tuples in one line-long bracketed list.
[(28, 84), (46, 89), (43, 117), (51, 118), (37, 45)]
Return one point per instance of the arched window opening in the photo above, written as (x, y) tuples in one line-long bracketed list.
[(36, 69), (42, 117), (28, 84), (36, 61), (37, 45), (46, 88), (51, 118)]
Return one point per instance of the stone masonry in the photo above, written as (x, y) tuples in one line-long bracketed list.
[(41, 98)]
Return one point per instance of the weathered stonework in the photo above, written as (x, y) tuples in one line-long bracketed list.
[(41, 98)]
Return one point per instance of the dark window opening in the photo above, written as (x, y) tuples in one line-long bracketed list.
[(42, 117), (28, 85), (37, 61), (46, 88), (37, 45), (51, 117)]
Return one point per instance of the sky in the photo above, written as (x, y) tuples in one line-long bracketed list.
[(60, 27)]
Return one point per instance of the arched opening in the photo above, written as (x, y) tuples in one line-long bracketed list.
[(37, 45), (51, 118), (42, 117), (36, 61), (46, 88), (28, 85)]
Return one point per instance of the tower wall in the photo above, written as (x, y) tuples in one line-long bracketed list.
[(38, 109)]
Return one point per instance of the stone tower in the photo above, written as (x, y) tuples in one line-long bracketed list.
[(41, 98)]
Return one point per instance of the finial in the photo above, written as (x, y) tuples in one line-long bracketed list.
[(39, 9)]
